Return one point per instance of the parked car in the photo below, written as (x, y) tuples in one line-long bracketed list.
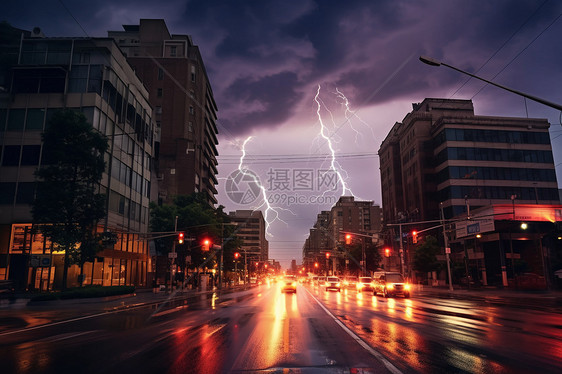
[(289, 284), (390, 284), (333, 283), (350, 282), (364, 284)]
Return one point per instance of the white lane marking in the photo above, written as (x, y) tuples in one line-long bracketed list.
[(393, 369)]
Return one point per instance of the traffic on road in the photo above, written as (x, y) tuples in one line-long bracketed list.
[(266, 329)]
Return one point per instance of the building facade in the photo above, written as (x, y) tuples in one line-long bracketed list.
[(251, 229), (443, 160), (90, 75), (362, 218), (185, 112)]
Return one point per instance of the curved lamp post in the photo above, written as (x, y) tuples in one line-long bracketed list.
[(433, 62)]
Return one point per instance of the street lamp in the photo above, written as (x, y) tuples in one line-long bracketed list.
[(433, 62)]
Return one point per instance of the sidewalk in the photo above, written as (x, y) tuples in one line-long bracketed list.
[(542, 300), (20, 313)]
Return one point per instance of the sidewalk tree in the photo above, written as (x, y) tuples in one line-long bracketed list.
[(198, 220), (425, 256), (68, 204)]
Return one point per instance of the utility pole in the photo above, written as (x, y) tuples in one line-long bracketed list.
[(447, 248), (173, 255)]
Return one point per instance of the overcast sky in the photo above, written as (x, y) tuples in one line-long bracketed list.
[(280, 70)]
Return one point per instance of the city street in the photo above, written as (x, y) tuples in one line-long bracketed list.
[(264, 330)]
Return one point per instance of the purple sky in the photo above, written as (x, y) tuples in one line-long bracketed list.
[(267, 59)]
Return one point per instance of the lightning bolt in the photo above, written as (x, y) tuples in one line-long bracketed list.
[(349, 114), (334, 165), (271, 213)]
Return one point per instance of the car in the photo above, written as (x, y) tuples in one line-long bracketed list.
[(333, 283), (391, 284), (320, 281), (289, 284), (365, 284), (349, 282)]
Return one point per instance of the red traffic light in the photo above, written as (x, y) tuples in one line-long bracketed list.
[(348, 238), (414, 236), (180, 237), (327, 254), (316, 264), (205, 244), (236, 255), (387, 252)]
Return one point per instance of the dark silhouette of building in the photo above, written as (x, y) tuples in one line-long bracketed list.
[(185, 112)]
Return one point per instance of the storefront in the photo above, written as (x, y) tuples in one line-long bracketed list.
[(33, 263), (507, 245)]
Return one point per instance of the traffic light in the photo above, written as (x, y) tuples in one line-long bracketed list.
[(327, 254), (348, 238), (180, 237), (387, 252), (236, 255), (414, 237), (316, 264), (205, 245)]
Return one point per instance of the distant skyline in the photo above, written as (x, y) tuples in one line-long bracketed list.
[(271, 64)]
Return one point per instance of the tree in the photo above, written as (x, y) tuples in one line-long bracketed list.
[(68, 204), (425, 256), (199, 220)]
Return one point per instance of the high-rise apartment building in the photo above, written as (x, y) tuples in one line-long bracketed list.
[(90, 75), (443, 155), (346, 216), (251, 229), (442, 158), (185, 112)]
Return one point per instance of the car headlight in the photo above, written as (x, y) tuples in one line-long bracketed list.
[(390, 286), (407, 287), (337, 284), (294, 284)]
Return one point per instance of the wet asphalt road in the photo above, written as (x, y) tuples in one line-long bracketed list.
[(312, 331)]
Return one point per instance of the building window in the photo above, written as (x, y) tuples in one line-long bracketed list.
[(16, 119), (190, 126), (158, 110), (159, 92), (30, 155), (191, 110), (35, 118), (173, 51), (160, 74), (193, 74), (11, 155), (25, 194), (7, 191)]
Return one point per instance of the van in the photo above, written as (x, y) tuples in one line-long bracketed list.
[(390, 284)]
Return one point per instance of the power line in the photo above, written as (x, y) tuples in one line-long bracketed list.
[(519, 54), (501, 47)]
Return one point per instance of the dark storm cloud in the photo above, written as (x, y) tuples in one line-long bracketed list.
[(265, 58), (269, 100)]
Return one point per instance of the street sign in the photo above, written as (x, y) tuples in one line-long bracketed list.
[(40, 261), (173, 255)]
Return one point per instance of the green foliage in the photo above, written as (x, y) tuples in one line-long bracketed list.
[(198, 220), (67, 206), (425, 255)]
